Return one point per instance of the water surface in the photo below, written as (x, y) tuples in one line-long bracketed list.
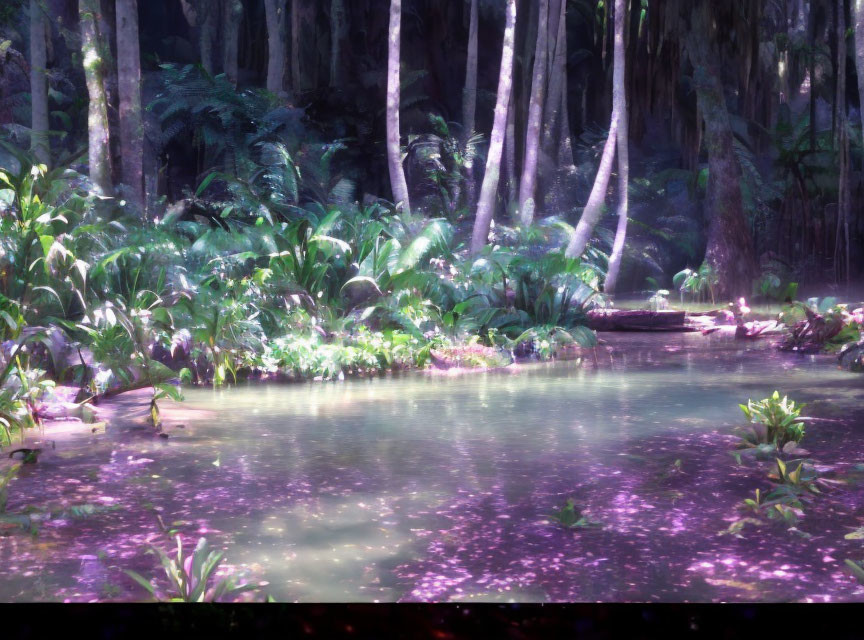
[(423, 487)]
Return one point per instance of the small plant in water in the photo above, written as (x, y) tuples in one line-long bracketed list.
[(798, 481), (857, 569), (774, 421), (659, 300), (193, 576), (571, 518)]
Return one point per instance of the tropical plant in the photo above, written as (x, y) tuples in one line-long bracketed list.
[(192, 577), (5, 480), (696, 282), (774, 421), (857, 569)]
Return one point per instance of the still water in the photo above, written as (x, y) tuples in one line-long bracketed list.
[(437, 488)]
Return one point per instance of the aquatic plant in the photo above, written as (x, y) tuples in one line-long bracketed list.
[(570, 517), (192, 577), (659, 300), (803, 478), (856, 568), (774, 421)]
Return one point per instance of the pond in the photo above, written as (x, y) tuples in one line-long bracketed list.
[(437, 488)]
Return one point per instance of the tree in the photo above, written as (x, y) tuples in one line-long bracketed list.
[(98, 147), (859, 51), (394, 149), (338, 28), (469, 92), (730, 248), (528, 184), (276, 50), (843, 191), (489, 188), (304, 63), (232, 14), (594, 207), (619, 98), (202, 15), (557, 73), (39, 84), (129, 96)]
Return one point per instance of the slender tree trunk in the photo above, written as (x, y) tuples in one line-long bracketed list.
[(859, 51), (296, 50), (338, 28), (489, 188), (512, 180), (394, 148), (208, 13), (469, 92), (106, 24), (276, 50), (843, 190), (594, 207), (129, 96), (98, 149), (528, 184), (232, 15), (811, 28), (39, 84), (730, 248), (619, 98), (557, 77)]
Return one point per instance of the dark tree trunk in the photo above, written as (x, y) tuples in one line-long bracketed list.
[(730, 247)]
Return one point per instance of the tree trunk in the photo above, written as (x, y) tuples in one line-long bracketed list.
[(594, 207), (129, 96), (619, 99), (106, 23), (557, 78), (39, 143), (232, 15), (338, 28), (394, 148), (276, 50), (730, 248), (489, 189), (469, 92), (98, 148), (207, 16), (859, 51), (512, 180), (528, 184), (843, 191)]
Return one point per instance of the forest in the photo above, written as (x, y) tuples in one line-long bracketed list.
[(431, 300)]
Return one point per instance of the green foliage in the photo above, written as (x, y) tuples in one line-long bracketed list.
[(11, 472), (776, 421), (570, 517), (803, 478), (857, 569), (698, 283), (192, 577)]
